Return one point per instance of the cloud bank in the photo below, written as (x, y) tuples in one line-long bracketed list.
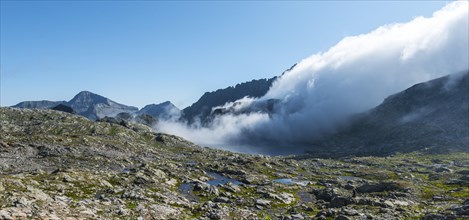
[(353, 76)]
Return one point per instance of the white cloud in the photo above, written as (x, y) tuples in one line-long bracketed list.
[(354, 75)]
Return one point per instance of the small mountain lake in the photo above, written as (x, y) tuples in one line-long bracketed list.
[(220, 180), (349, 178), (288, 181), (186, 188)]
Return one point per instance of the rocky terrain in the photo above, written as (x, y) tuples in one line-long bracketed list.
[(55, 165)]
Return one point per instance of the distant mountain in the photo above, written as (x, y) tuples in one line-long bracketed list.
[(85, 103), (202, 110), (165, 110), (203, 107), (434, 114), (39, 104), (94, 106)]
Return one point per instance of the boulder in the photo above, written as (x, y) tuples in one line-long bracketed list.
[(379, 187), (222, 199), (340, 201), (262, 202)]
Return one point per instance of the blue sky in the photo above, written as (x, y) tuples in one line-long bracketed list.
[(144, 52)]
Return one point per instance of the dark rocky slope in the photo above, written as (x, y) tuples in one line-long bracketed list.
[(202, 109), (433, 114)]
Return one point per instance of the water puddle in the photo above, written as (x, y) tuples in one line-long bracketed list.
[(126, 170), (349, 178), (288, 181), (186, 190), (220, 180)]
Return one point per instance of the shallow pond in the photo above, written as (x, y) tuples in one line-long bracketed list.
[(289, 181), (220, 180), (186, 190), (349, 178)]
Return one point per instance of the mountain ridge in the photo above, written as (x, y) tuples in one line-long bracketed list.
[(38, 104), (202, 108), (94, 106)]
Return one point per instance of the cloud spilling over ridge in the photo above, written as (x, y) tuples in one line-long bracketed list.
[(353, 76)]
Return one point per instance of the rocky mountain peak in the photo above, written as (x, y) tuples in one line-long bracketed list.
[(83, 100), (165, 110), (94, 106)]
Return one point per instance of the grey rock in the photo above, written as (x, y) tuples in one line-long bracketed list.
[(22, 202), (231, 187), (349, 212), (341, 217), (462, 210), (66, 178), (222, 200), (329, 193), (340, 201), (379, 187), (297, 216), (443, 170), (161, 211), (435, 217), (142, 179), (4, 215), (262, 202), (122, 211), (200, 186), (463, 172)]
